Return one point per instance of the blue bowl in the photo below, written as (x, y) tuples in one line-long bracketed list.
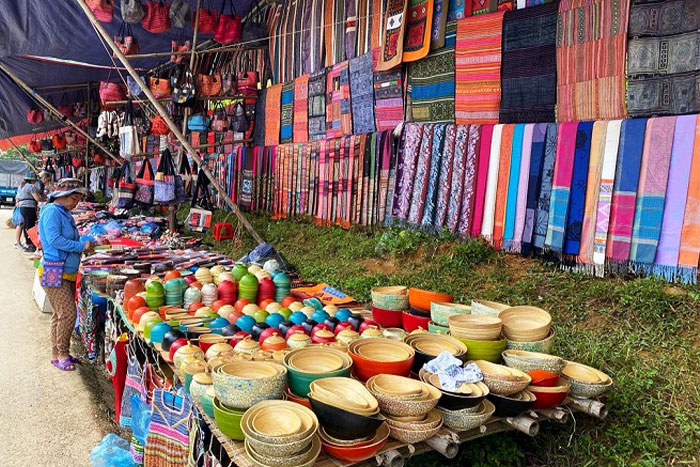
[(158, 331), (297, 317), (343, 314), (246, 323), (274, 320)]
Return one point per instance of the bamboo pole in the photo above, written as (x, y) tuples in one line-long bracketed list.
[(88, 115), (228, 48), (166, 118), (47, 105), (167, 99)]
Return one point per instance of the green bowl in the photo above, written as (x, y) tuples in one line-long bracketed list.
[(208, 405), (484, 350), (299, 381), (543, 346), (228, 420), (437, 329)]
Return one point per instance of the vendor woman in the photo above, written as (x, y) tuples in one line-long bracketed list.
[(62, 247)]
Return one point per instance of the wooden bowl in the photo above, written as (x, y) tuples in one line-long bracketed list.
[(276, 422), (513, 405), (525, 323), (309, 422), (529, 361), (501, 379), (429, 420), (486, 307), (396, 386), (440, 312), (317, 360), (585, 381), (390, 298), (475, 327), (543, 346), (346, 393), (381, 350)]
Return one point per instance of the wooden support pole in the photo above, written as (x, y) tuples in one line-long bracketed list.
[(589, 406), (556, 414), (47, 105), (391, 458), (523, 424), (443, 444), (166, 118)]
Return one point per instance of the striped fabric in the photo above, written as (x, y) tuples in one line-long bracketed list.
[(338, 111), (317, 106), (478, 69), (167, 443), (272, 115), (591, 50), (388, 97), (301, 109), (287, 113)]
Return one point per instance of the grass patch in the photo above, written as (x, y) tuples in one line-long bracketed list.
[(643, 332)]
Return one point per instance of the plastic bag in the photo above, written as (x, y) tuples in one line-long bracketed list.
[(150, 228), (17, 218), (140, 418), (112, 451)]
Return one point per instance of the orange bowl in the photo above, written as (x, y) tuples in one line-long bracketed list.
[(422, 299), (364, 368)]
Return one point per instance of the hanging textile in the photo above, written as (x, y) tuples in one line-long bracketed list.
[(542, 214), (317, 106), (513, 185), (338, 116), (458, 170), (499, 219), (577, 198), (287, 113), (433, 175), (350, 39), (419, 21), (259, 125), (439, 24), (537, 148), (667, 251), (591, 50), (313, 43), (485, 134), (690, 233), (479, 7), (521, 199), (422, 174), (487, 226), (168, 440), (664, 18), (388, 98), (364, 27), (653, 178), (529, 67), (405, 169), (362, 94), (274, 44), (664, 95), (272, 115), (478, 89), (458, 9), (301, 109), (468, 201), (392, 36), (443, 195), (334, 25)]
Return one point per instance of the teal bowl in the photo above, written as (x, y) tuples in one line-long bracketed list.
[(228, 420), (208, 405), (434, 328), (299, 381)]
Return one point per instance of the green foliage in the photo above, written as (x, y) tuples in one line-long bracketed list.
[(401, 242), (13, 154)]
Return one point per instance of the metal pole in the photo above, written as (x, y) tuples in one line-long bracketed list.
[(65, 120), (21, 154), (88, 115), (166, 118)]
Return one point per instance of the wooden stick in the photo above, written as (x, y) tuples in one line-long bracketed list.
[(167, 99), (168, 121), (445, 445), (590, 406), (47, 105), (523, 424)]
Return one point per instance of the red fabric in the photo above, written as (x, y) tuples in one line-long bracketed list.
[(229, 29), (159, 127), (116, 365), (157, 17), (35, 116), (111, 92), (208, 19), (102, 9)]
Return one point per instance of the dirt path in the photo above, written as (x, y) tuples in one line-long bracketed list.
[(47, 417)]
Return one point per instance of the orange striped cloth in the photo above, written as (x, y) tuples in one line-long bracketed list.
[(591, 50), (273, 97), (301, 109), (478, 69), (690, 234), (502, 187)]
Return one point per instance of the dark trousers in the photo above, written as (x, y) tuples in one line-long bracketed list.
[(29, 215)]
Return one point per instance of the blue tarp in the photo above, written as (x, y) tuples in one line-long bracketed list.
[(60, 29)]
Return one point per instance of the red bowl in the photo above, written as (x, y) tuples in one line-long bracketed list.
[(364, 369), (413, 322), (543, 378), (299, 400), (548, 399), (181, 342), (361, 451), (422, 299), (387, 318)]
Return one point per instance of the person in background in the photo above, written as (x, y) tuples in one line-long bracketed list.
[(62, 247), (28, 197), (45, 182)]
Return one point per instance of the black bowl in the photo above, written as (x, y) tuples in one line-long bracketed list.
[(355, 319), (342, 424), (452, 400), (229, 330), (508, 407), (331, 322), (419, 312), (258, 328), (422, 358), (308, 325), (285, 326), (170, 337)]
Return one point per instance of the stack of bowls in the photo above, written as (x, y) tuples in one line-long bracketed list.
[(529, 361), (585, 381), (428, 346), (345, 408), (281, 433), (209, 293), (525, 323), (512, 405), (388, 304), (378, 355), (501, 379), (242, 383), (131, 288), (440, 312), (481, 334), (354, 451), (308, 364), (248, 288), (173, 292), (226, 276), (227, 291), (413, 430), (266, 290), (399, 396), (283, 286), (192, 295), (155, 295), (203, 275), (466, 397), (486, 307), (421, 299), (549, 389), (239, 270), (228, 420), (215, 272), (463, 420)]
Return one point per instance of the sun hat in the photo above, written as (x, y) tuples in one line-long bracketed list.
[(67, 192), (31, 176)]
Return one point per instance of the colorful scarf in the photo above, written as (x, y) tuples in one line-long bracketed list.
[(690, 234), (521, 199), (513, 185), (607, 178), (541, 217), (487, 223), (364, 27), (458, 170), (388, 97), (577, 199), (338, 116), (482, 169), (287, 115), (259, 125), (392, 178), (301, 109), (384, 174), (405, 169), (350, 28), (435, 164), (334, 31), (666, 261), (467, 210), (437, 31), (625, 194), (317, 106), (443, 197), (419, 21), (591, 49), (506, 149), (561, 187), (432, 87), (533, 185), (422, 174), (595, 167), (653, 178), (478, 89), (362, 94), (272, 115), (528, 69), (391, 52)]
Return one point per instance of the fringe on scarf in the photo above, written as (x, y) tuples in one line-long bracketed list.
[(686, 275)]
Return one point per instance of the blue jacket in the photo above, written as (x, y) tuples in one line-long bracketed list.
[(60, 239)]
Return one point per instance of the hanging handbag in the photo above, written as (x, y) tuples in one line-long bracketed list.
[(177, 46), (228, 84), (126, 188), (183, 180), (199, 217), (64, 108), (133, 87), (164, 187), (99, 158), (247, 83), (34, 145), (240, 122), (77, 162), (125, 40), (221, 121), (179, 14), (111, 92), (80, 107), (230, 28), (102, 9), (71, 137), (46, 144), (58, 141), (208, 85), (159, 127), (159, 87), (183, 87), (157, 17), (35, 116), (208, 19), (51, 273), (198, 122), (133, 11), (144, 182)]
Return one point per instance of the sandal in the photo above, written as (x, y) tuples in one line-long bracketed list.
[(75, 360), (64, 365)]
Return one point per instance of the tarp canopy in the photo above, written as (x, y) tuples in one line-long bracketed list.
[(60, 30)]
